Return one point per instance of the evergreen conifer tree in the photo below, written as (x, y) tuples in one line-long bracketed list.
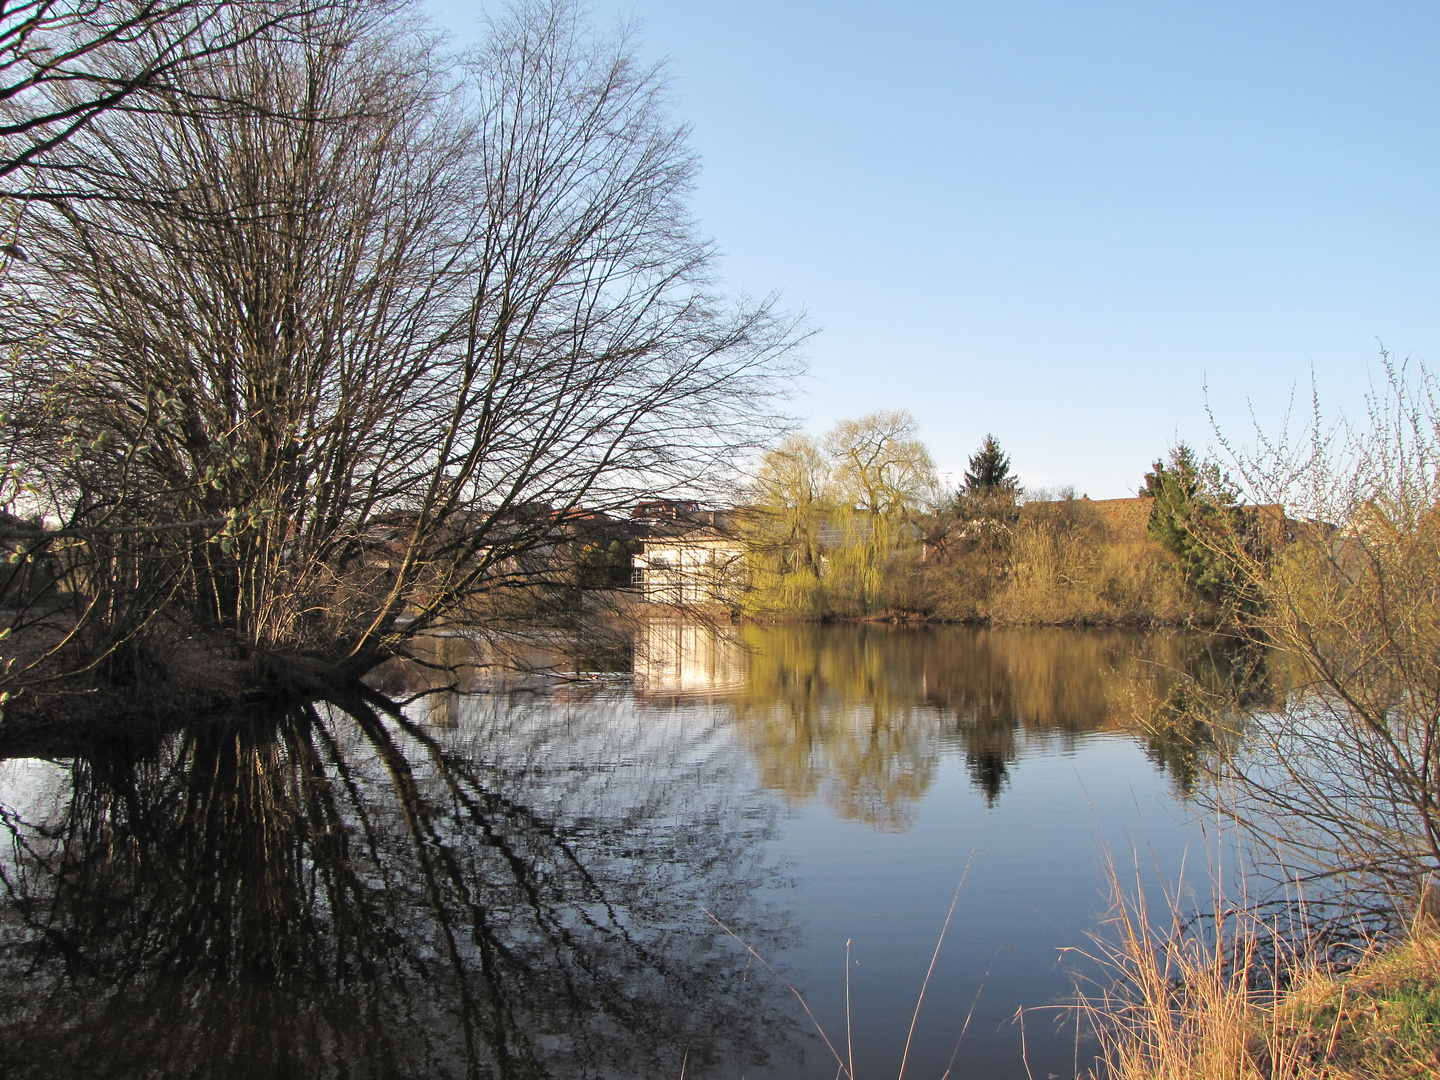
[(987, 509), (1197, 517), (989, 470)]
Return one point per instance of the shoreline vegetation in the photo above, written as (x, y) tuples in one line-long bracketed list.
[(1067, 562), (1197, 1016), (855, 527), (319, 338), (1334, 783), (1243, 1001)]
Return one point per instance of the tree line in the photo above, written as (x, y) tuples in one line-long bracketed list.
[(858, 524)]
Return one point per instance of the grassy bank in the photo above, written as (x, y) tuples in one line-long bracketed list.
[(1182, 1009)]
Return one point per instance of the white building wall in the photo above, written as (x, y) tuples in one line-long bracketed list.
[(690, 571)]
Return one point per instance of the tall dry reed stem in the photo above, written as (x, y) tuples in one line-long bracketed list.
[(1183, 998), (846, 1065)]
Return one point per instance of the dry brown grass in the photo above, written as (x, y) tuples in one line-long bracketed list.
[(1182, 1005), (1067, 565)]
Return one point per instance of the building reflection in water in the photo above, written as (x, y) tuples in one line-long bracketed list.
[(680, 659), (859, 715)]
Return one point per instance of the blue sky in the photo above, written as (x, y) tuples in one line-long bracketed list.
[(1062, 222)]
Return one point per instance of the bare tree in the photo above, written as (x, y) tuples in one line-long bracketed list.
[(399, 323), (65, 62)]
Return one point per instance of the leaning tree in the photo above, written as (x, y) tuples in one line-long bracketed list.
[(398, 314)]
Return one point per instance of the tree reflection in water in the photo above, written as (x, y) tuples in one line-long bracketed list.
[(340, 891), (860, 715)]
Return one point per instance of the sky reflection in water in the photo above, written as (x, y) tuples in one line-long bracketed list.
[(516, 884)]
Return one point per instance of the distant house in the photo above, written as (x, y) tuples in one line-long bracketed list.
[(688, 556), (542, 544)]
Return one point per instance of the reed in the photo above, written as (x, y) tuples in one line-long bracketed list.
[(1177, 1002), (846, 1064)]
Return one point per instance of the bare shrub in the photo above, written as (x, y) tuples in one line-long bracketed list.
[(1344, 777), (1066, 566)]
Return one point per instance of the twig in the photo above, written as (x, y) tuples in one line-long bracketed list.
[(849, 1037), (798, 996), (1024, 1052), (966, 1026), (934, 956), (106, 530)]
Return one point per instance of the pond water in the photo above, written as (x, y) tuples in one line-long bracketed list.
[(532, 883)]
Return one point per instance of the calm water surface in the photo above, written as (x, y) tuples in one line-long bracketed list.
[(522, 883)]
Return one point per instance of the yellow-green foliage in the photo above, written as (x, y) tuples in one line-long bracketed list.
[(783, 531), (871, 567), (833, 531), (779, 589), (872, 570), (1058, 563), (849, 529)]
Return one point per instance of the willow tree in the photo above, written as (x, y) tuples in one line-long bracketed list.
[(791, 512), (834, 525), (885, 480), (399, 314)]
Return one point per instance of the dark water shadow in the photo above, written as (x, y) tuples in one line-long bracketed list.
[(335, 889)]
